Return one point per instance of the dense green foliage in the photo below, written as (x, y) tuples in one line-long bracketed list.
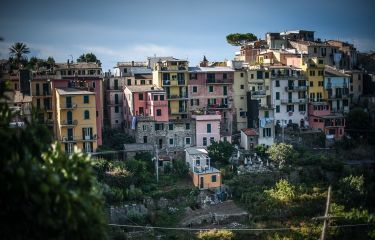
[(220, 152), (357, 123), (293, 196), (239, 39), (18, 51), (215, 235), (88, 57), (281, 153), (45, 193)]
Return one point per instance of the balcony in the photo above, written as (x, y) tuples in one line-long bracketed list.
[(90, 138), (181, 96), (166, 82), (145, 118), (68, 106), (175, 82), (338, 96), (295, 88), (256, 81), (293, 101), (159, 103), (266, 107), (68, 139), (258, 94), (173, 68), (217, 106), (288, 77), (219, 81), (69, 123)]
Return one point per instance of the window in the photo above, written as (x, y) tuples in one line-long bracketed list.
[(129, 82), (266, 114), (85, 99), (212, 139), (141, 110), (252, 76), (116, 99), (320, 73), (225, 76), (187, 141), (171, 141), (208, 127), (187, 126), (242, 75), (140, 96), (143, 82), (266, 132), (125, 70), (170, 126), (87, 114), (193, 76), (116, 109), (115, 84), (225, 90), (259, 75), (159, 126), (302, 108), (158, 112), (144, 127), (320, 83), (311, 84), (277, 108), (211, 77), (277, 83), (195, 89), (144, 139), (243, 114), (204, 141), (242, 86), (290, 108), (197, 102), (211, 89), (312, 73), (213, 178), (161, 97), (277, 95), (155, 97), (267, 75), (315, 50), (191, 102)]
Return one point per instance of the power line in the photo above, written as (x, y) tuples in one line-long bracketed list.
[(233, 229)]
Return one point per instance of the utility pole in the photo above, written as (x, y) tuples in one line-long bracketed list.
[(326, 216), (157, 163)]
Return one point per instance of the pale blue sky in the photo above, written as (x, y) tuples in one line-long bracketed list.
[(132, 30)]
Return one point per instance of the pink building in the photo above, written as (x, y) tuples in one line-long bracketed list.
[(144, 101), (320, 117), (210, 89), (207, 129)]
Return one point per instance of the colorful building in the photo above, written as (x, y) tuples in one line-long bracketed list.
[(76, 119), (211, 89), (204, 175), (321, 117), (172, 75), (207, 129), (336, 84)]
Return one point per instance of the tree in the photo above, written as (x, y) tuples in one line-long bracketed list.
[(18, 51), (239, 39), (215, 234), (357, 123), (220, 151), (281, 153), (46, 194), (283, 191), (88, 57)]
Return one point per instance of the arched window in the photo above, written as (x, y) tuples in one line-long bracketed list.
[(87, 114)]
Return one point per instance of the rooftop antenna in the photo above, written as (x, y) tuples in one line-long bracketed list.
[(71, 57)]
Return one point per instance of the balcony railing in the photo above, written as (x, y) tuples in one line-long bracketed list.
[(287, 76), (219, 81), (68, 106), (293, 101), (181, 96), (257, 94), (217, 106), (78, 138), (295, 88), (69, 123), (266, 107)]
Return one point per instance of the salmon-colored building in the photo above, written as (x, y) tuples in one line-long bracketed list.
[(321, 117)]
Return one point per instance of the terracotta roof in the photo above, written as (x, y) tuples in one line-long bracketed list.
[(249, 132), (333, 72)]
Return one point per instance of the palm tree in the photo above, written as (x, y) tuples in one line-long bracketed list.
[(18, 50)]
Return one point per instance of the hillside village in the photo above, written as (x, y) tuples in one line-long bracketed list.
[(208, 132)]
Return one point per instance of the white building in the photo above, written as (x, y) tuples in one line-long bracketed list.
[(289, 95)]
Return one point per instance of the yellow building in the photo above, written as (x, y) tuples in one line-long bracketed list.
[(40, 89), (314, 69), (76, 119), (173, 75)]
